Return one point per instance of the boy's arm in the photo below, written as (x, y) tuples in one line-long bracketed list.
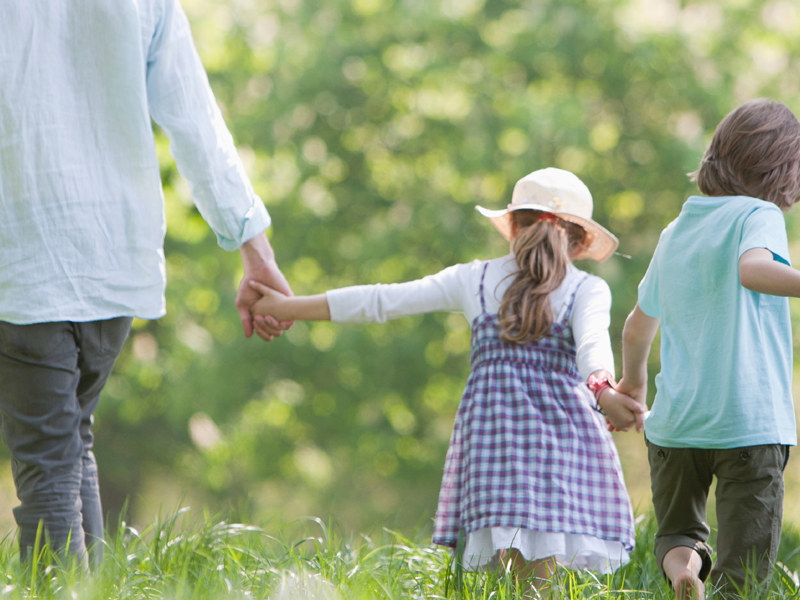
[(287, 308), (637, 337), (760, 272)]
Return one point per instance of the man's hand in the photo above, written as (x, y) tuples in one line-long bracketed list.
[(258, 261)]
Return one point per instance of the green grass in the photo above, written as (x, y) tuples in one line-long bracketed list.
[(180, 558)]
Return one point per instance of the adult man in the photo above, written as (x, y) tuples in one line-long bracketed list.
[(82, 225)]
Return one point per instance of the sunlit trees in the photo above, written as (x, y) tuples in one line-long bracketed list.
[(371, 128)]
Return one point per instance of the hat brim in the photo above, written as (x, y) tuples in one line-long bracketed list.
[(600, 242)]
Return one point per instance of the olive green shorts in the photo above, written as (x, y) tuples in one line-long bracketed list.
[(749, 506)]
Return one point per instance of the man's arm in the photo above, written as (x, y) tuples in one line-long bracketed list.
[(760, 272), (182, 103)]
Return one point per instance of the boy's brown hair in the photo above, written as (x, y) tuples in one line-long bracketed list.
[(755, 152)]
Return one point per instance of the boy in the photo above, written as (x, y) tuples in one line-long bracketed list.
[(717, 286)]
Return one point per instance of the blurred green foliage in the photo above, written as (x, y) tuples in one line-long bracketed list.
[(371, 128)]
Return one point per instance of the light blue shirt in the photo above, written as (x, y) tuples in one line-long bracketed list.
[(726, 352), (81, 207)]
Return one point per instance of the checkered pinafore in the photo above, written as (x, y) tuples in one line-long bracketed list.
[(527, 449)]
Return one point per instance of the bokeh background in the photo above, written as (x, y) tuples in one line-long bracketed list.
[(371, 128)]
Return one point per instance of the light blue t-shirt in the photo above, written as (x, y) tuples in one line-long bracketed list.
[(726, 352)]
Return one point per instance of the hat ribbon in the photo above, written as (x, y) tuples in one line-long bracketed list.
[(545, 216)]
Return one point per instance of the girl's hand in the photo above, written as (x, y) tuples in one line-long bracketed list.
[(622, 411), (286, 309), (271, 304)]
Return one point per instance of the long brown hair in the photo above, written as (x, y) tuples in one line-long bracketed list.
[(542, 248)]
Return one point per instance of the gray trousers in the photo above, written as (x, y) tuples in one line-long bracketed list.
[(51, 376)]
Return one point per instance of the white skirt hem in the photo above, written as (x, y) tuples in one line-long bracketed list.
[(571, 551)]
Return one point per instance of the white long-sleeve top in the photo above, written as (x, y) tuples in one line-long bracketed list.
[(456, 289)]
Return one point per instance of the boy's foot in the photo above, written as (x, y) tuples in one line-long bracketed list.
[(688, 586)]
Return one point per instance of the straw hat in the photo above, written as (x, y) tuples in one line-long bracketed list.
[(560, 193)]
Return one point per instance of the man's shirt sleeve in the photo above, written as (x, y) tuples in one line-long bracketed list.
[(183, 105)]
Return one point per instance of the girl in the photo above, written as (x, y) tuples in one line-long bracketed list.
[(531, 474)]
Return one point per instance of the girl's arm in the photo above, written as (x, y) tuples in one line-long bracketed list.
[(444, 291), (378, 303), (591, 317), (760, 272)]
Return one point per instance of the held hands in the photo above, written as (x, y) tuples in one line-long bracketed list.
[(622, 411), (258, 262), (638, 393), (271, 304)]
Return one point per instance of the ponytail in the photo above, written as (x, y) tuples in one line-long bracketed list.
[(542, 248)]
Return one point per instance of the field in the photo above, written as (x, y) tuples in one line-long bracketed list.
[(184, 556)]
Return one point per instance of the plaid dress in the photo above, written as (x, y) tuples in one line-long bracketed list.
[(527, 449)]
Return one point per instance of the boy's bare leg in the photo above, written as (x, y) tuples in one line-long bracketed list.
[(682, 565), (537, 573)]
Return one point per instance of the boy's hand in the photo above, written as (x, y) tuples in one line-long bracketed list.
[(637, 391), (622, 411)]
